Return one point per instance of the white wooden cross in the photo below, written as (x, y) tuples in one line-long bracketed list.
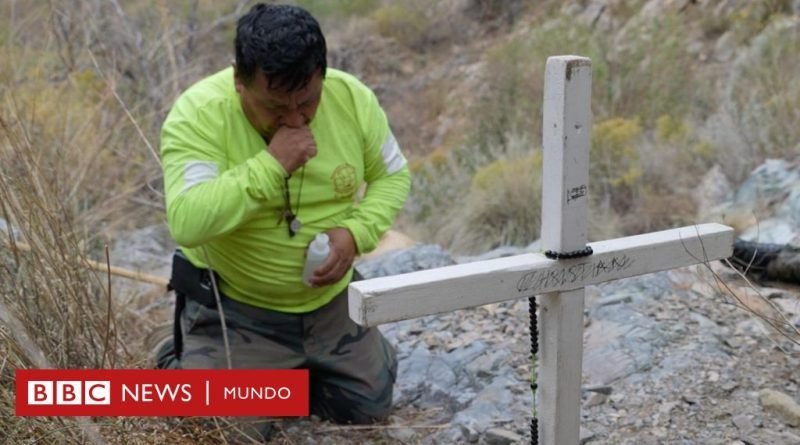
[(558, 283)]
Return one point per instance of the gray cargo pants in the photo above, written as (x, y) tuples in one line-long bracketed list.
[(352, 369)]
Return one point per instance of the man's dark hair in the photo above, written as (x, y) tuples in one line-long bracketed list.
[(285, 42)]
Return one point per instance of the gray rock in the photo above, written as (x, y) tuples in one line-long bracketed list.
[(404, 261), (586, 435), (782, 405), (146, 249), (490, 406), (500, 436), (751, 327), (501, 252), (424, 372), (773, 230), (621, 340), (770, 437), (595, 399), (468, 432), (769, 182), (488, 364), (771, 196), (744, 423), (404, 435)]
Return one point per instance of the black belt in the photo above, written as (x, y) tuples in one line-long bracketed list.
[(189, 283)]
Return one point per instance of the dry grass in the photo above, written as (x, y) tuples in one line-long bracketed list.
[(502, 205), (76, 116), (749, 298), (56, 313)]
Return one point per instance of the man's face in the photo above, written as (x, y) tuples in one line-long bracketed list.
[(268, 109)]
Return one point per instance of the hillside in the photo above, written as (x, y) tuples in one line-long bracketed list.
[(679, 87)]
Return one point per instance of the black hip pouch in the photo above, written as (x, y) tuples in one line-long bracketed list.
[(193, 282), (189, 283)]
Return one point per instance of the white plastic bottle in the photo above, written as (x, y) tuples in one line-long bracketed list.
[(318, 251)]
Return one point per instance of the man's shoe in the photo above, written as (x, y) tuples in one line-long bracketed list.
[(161, 344)]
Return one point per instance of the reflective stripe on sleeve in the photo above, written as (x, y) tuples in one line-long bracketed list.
[(392, 156), (197, 172)]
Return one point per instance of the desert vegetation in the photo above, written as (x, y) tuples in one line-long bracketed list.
[(85, 85)]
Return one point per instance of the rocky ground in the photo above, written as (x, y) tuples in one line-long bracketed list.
[(669, 358), (685, 363), (681, 357)]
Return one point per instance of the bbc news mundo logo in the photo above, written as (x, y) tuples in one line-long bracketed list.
[(119, 392)]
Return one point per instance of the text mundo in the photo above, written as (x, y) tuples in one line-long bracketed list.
[(257, 393)]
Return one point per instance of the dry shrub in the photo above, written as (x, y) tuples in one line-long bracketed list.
[(644, 180), (41, 286), (419, 25), (498, 13), (675, 159), (77, 110), (506, 124), (437, 182), (510, 99), (67, 312), (659, 209), (678, 154), (748, 19), (404, 21), (503, 205), (651, 71), (54, 193), (616, 169)]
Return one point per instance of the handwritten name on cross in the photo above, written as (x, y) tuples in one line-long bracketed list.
[(558, 283)]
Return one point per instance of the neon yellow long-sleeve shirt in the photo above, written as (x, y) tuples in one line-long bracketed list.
[(224, 191)]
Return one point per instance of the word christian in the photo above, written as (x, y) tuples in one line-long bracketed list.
[(573, 274), (117, 392)]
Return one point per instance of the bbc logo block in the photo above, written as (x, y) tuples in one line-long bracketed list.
[(69, 392)]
